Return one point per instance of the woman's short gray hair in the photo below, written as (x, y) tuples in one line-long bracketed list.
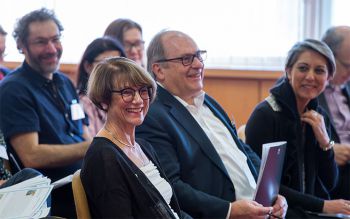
[(313, 45)]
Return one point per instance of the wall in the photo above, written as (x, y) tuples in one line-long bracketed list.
[(238, 91)]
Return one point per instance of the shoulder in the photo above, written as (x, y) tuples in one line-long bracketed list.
[(99, 146), (64, 79), (15, 78), (267, 106), (102, 152), (158, 109), (263, 113), (15, 86)]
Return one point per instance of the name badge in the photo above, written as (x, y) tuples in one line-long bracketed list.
[(76, 111)]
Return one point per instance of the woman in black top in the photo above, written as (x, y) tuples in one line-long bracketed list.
[(121, 175), (291, 113)]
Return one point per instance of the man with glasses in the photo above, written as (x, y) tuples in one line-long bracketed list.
[(40, 116), (212, 171), (336, 101)]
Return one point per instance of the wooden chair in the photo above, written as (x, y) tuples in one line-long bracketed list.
[(241, 132), (80, 200)]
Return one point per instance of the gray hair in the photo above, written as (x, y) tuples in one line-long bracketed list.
[(313, 45), (334, 37), (155, 51)]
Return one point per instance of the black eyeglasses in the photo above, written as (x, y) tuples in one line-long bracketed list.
[(128, 94), (186, 60)]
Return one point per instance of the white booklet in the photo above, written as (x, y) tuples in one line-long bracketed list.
[(270, 172), (61, 182), (26, 199)]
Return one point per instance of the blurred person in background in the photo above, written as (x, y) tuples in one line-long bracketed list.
[(336, 101), (96, 51), (3, 70), (291, 113), (129, 33), (41, 119)]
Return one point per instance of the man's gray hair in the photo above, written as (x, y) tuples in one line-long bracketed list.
[(155, 51), (335, 36)]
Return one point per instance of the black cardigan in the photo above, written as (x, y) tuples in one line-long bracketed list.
[(277, 119), (117, 188)]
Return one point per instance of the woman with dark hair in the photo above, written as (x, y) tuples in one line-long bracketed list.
[(96, 51), (291, 113), (129, 33)]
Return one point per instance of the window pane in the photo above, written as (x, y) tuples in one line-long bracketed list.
[(340, 12), (236, 33)]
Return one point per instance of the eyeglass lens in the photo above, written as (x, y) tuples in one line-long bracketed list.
[(188, 60), (139, 44), (128, 94)]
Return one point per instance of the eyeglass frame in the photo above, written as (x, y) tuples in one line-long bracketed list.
[(139, 44), (43, 42), (197, 55), (120, 92)]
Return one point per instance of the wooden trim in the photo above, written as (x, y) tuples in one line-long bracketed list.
[(238, 91), (242, 74)]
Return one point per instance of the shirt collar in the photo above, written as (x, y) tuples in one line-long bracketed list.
[(198, 100), (36, 77), (334, 87)]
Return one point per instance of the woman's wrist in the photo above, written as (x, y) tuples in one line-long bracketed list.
[(329, 146)]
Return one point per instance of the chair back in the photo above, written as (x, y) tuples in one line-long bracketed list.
[(80, 200), (241, 132)]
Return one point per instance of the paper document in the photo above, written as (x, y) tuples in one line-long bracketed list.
[(3, 152), (26, 199), (63, 181), (270, 172)]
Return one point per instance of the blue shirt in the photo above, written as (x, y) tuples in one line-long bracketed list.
[(30, 102)]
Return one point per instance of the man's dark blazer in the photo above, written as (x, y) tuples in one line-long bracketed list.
[(343, 188), (198, 175)]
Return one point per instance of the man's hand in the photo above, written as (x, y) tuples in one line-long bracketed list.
[(246, 209), (337, 206), (341, 153), (280, 207)]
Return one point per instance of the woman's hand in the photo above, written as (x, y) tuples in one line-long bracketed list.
[(337, 206), (316, 121)]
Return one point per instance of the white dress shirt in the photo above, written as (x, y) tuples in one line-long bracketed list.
[(234, 160)]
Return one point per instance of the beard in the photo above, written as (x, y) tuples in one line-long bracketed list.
[(40, 62)]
